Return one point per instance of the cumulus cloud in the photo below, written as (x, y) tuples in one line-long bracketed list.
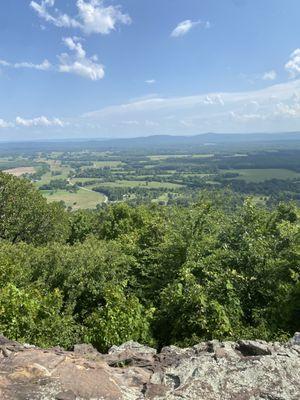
[(73, 43), (5, 124), (185, 26), (269, 75), (76, 63), (288, 110), (39, 121), (92, 16), (79, 63), (44, 66), (293, 65), (96, 18), (59, 19)]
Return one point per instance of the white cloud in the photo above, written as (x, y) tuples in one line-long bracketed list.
[(185, 26), (293, 65), (79, 63), (275, 108), (269, 75), (39, 121), (75, 45), (5, 124), (288, 110), (4, 63), (272, 109), (44, 66), (213, 99), (150, 81), (92, 16), (60, 20), (240, 117), (96, 18)]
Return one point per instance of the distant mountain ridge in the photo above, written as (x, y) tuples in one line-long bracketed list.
[(155, 142)]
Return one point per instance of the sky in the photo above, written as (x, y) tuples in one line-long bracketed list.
[(126, 68)]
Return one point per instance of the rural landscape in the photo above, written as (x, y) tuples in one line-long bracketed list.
[(266, 170)]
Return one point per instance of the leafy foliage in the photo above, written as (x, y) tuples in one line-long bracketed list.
[(30, 315), (158, 275), (26, 216)]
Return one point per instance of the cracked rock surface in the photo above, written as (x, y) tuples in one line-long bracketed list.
[(245, 370)]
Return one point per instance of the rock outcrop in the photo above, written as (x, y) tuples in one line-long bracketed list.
[(246, 370)]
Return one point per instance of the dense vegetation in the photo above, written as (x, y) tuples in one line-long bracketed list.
[(155, 274)]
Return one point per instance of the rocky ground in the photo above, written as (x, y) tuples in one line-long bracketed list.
[(246, 370)]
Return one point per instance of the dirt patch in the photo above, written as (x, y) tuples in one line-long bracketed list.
[(20, 171)]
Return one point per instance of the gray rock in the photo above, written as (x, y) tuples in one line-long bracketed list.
[(132, 346), (253, 348), (247, 370), (29, 346), (68, 395), (296, 339), (84, 349)]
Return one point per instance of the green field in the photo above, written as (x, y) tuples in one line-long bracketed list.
[(160, 157), (144, 184), (82, 199), (55, 166), (83, 180), (260, 175), (111, 164)]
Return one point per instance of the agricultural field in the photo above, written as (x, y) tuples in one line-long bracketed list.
[(20, 171), (144, 184), (83, 198), (87, 179), (261, 175)]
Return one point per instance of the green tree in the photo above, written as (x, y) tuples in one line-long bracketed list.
[(120, 319), (29, 315), (26, 216)]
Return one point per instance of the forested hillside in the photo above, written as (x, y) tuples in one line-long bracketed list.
[(155, 274)]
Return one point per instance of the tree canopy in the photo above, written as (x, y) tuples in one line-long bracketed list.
[(155, 274)]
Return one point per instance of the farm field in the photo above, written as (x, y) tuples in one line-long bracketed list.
[(260, 175), (20, 171), (108, 163), (83, 198), (85, 179), (145, 184)]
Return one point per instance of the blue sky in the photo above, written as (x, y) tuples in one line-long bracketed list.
[(123, 68)]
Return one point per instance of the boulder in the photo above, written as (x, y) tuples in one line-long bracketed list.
[(254, 348), (132, 346), (84, 349), (295, 341)]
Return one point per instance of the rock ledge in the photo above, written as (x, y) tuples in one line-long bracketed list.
[(246, 370)]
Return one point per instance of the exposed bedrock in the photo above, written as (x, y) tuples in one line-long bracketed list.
[(244, 370)]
